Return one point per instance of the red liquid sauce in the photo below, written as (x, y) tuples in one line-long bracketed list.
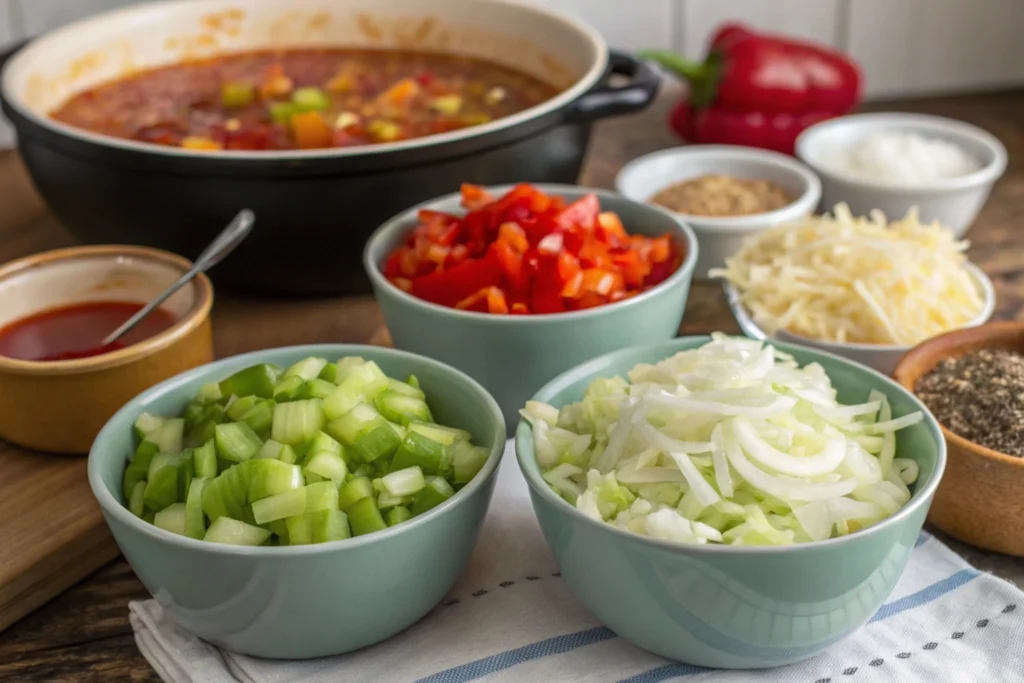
[(76, 331)]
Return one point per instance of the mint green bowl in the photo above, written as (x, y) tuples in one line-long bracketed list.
[(724, 606), (314, 600), (513, 355)]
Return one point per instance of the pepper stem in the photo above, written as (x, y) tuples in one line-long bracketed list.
[(701, 76)]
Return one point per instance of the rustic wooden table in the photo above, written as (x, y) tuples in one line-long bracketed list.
[(84, 634)]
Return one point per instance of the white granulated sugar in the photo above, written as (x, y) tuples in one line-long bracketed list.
[(905, 158)]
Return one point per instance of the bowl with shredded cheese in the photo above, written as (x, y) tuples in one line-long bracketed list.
[(894, 161), (724, 192), (857, 286)]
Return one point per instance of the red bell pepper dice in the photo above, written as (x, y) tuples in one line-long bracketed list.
[(449, 287)]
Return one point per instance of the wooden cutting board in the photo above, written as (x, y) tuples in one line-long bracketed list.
[(52, 533)]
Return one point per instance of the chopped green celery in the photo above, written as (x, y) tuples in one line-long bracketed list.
[(414, 382), (362, 382), (289, 389), (331, 373), (161, 460), (296, 422), (404, 482), (354, 490), (386, 501), (138, 468), (399, 430), (329, 525), (213, 415), (186, 471), (136, 501), (192, 414), (446, 435), (247, 515), (236, 441), (323, 443), (311, 99), (171, 518), (260, 417), (322, 495), (430, 456), (402, 408), (397, 515), (314, 478), (316, 388), (232, 532), (397, 387), (467, 460), (287, 454), (280, 506), (327, 465), (364, 517), (270, 450), (195, 520), (300, 529), (228, 493), (204, 460), (234, 95), (148, 516), (208, 393), (279, 528), (363, 470), (268, 477), (162, 486), (308, 368), (146, 423), (433, 494), (366, 431), (240, 406), (223, 465), (169, 436), (281, 112), (257, 380)]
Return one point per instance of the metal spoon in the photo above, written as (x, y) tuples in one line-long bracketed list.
[(229, 238)]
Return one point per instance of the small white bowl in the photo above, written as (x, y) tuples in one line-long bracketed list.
[(954, 202), (881, 357), (721, 237)]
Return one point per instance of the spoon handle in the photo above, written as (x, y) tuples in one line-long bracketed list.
[(224, 244)]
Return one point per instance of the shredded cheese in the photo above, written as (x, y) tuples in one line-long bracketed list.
[(842, 278)]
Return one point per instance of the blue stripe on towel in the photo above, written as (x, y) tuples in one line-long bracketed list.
[(573, 641), (921, 538)]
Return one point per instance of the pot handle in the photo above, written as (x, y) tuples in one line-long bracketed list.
[(611, 100)]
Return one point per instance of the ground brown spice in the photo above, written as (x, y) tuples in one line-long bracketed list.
[(722, 195), (979, 396)]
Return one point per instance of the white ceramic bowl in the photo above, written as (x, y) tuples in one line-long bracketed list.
[(954, 202), (881, 357), (720, 238)]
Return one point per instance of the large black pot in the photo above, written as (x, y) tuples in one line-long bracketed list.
[(314, 209)]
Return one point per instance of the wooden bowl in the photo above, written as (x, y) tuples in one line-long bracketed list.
[(60, 406), (981, 497)]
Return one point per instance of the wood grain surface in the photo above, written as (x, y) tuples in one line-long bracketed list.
[(84, 635)]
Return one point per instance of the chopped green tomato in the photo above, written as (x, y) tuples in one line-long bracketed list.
[(316, 388), (268, 477), (364, 517), (280, 506), (138, 469), (204, 460), (308, 368), (417, 450), (282, 112), (300, 529), (232, 532), (258, 380), (236, 441), (404, 482), (406, 389), (136, 501), (467, 460), (311, 99), (402, 408), (270, 450), (328, 465), (289, 389), (296, 422), (195, 520), (436, 492), (446, 435), (321, 496), (329, 525), (146, 424), (171, 518), (236, 95), (397, 515), (169, 436), (356, 489), (227, 495), (366, 432)]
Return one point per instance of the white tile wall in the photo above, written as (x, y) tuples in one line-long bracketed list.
[(627, 24), (816, 19)]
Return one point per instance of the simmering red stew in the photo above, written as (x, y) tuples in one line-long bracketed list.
[(76, 331), (304, 99)]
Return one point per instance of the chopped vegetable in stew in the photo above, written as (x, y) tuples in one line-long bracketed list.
[(528, 252), (303, 99)]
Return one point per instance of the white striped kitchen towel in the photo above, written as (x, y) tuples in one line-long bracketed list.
[(510, 618)]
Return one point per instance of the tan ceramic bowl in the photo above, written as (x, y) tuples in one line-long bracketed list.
[(981, 497), (60, 406)]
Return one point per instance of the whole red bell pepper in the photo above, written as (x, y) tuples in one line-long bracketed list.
[(760, 90)]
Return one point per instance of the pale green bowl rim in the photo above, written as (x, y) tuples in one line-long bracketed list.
[(592, 367), (406, 220), (115, 509)]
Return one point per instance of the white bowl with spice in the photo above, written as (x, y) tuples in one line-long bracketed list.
[(725, 193), (857, 287), (890, 162)]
